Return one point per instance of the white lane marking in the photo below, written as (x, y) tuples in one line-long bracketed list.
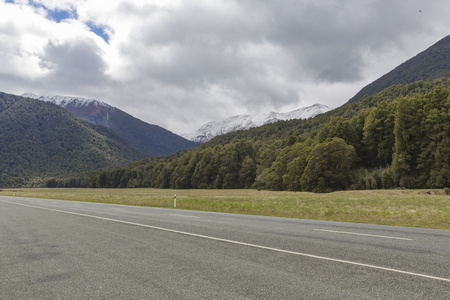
[(365, 234), (240, 243), (185, 216)]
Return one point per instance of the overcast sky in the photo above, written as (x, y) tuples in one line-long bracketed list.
[(182, 63)]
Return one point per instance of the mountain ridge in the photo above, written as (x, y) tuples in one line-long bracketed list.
[(150, 139), (244, 122), (430, 64)]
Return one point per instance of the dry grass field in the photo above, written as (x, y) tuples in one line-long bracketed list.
[(412, 208)]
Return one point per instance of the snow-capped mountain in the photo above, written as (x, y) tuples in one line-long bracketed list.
[(151, 140), (66, 101), (243, 122)]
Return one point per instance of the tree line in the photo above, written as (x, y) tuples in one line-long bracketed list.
[(397, 138)]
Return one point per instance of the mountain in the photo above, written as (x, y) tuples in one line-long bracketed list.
[(40, 140), (397, 137), (244, 122), (428, 65), (152, 140), (417, 75)]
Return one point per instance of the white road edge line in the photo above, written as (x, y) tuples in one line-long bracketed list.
[(185, 216), (365, 234), (239, 243)]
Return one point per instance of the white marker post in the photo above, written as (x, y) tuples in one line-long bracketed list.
[(175, 201)]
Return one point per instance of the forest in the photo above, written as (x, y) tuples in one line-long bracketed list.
[(40, 139), (398, 138)]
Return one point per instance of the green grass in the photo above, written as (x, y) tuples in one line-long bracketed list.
[(412, 208)]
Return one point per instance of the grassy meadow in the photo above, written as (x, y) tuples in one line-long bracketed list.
[(412, 208)]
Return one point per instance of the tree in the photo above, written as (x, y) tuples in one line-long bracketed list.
[(274, 177), (328, 166), (341, 128), (407, 131), (435, 130), (247, 173), (440, 174), (379, 134), (296, 167), (206, 169)]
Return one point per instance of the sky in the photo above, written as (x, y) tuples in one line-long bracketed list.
[(180, 64)]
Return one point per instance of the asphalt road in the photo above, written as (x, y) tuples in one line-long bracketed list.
[(52, 249)]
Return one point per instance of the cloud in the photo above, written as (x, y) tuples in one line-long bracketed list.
[(180, 63), (75, 61)]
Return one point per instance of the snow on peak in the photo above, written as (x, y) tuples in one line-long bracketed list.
[(244, 122), (65, 101)]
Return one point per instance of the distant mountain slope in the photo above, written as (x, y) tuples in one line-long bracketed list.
[(41, 140), (244, 122), (152, 140), (428, 65)]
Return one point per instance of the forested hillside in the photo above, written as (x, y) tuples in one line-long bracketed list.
[(150, 139), (40, 140), (396, 138)]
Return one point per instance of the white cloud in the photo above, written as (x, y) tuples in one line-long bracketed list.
[(181, 63), (57, 4)]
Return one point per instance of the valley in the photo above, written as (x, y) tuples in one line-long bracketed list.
[(394, 137)]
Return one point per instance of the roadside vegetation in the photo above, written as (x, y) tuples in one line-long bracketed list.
[(411, 208)]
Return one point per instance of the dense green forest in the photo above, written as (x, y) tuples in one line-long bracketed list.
[(399, 137), (40, 140)]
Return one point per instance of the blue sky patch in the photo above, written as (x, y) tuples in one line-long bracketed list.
[(59, 15), (56, 15), (99, 30)]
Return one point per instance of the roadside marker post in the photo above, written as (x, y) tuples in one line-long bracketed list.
[(175, 201)]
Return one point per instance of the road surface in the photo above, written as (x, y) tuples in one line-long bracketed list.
[(51, 249)]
